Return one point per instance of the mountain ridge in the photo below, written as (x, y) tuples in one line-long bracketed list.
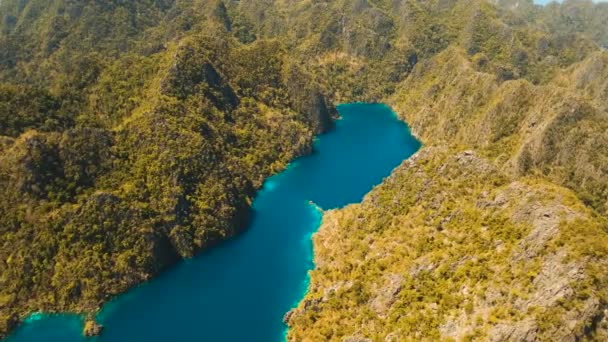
[(143, 128)]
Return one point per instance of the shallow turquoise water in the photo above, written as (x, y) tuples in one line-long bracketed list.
[(240, 290)]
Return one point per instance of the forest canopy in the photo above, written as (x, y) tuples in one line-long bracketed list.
[(135, 133)]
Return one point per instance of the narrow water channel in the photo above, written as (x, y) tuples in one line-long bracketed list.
[(240, 290)]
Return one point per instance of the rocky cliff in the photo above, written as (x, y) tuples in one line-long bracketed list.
[(134, 133), (451, 248), (496, 230)]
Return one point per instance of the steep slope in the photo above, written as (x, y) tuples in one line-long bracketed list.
[(557, 129), (147, 160), (476, 237), (133, 134), (571, 16), (448, 247)]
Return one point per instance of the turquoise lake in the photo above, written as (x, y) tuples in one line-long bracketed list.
[(240, 290)]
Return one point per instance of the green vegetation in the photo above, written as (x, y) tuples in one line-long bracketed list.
[(119, 161), (450, 248), (135, 133)]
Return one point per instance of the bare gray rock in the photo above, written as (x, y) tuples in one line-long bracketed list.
[(386, 294), (356, 339)]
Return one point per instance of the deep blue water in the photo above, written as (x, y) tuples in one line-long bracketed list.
[(240, 290)]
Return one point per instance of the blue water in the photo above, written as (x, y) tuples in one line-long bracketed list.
[(240, 290)]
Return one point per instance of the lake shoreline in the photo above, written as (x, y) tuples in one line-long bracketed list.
[(344, 164)]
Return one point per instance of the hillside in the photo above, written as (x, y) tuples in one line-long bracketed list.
[(130, 161), (135, 133), (450, 248), (496, 230)]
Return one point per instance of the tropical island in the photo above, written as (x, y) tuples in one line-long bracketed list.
[(135, 134)]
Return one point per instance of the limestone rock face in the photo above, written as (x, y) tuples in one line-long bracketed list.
[(386, 294), (320, 113), (144, 143), (356, 339), (92, 328), (450, 247)]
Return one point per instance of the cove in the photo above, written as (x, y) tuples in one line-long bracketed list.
[(240, 290)]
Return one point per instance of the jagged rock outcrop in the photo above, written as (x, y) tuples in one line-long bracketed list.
[(550, 129), (488, 242), (451, 247), (134, 133), (92, 328)]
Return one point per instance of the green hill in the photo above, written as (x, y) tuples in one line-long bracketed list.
[(135, 133)]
